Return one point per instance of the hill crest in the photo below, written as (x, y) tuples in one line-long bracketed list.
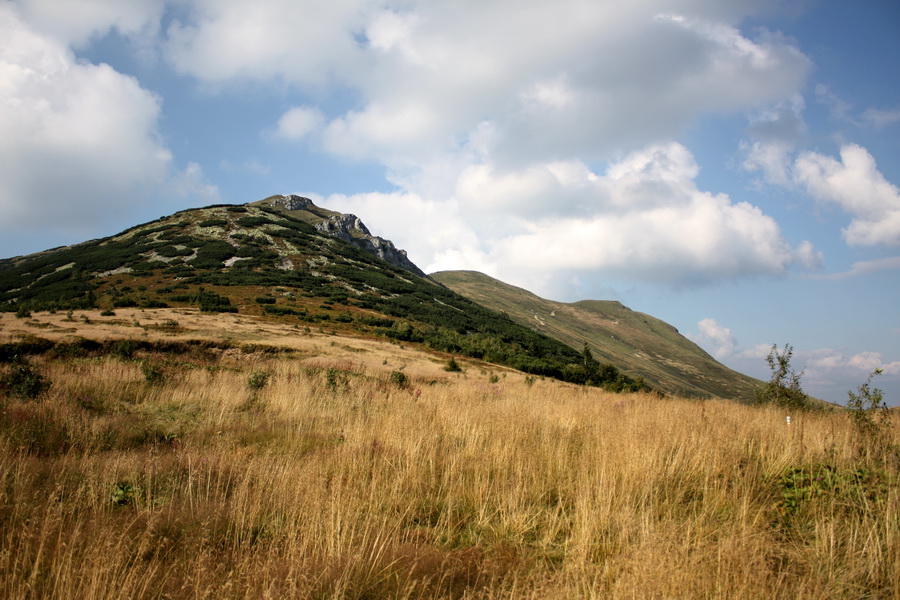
[(636, 342)]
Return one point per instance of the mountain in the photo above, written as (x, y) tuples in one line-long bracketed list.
[(633, 341), (285, 258), (346, 227)]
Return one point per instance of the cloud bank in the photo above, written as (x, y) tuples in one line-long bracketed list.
[(537, 137), (79, 142)]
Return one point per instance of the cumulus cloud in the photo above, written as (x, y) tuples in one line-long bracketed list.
[(826, 363), (852, 183), (855, 184), (77, 22), (75, 138), (717, 337), (642, 219), (299, 122), (604, 76), (306, 43), (646, 220)]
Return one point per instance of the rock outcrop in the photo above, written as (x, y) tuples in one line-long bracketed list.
[(348, 228)]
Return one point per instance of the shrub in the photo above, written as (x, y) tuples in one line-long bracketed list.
[(784, 387), (23, 313), (124, 349), (154, 373), (400, 379), (24, 382), (257, 380), (126, 302), (869, 413), (452, 366)]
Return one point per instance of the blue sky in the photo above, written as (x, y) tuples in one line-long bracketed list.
[(731, 167)]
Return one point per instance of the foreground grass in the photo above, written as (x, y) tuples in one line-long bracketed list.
[(262, 476)]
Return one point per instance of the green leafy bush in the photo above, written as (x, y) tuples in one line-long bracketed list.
[(870, 415), (783, 389), (452, 366)]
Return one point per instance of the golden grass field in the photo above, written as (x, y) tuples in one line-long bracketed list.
[(322, 473)]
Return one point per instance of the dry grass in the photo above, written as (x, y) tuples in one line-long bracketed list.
[(332, 481)]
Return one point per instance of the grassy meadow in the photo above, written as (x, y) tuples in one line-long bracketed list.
[(180, 455)]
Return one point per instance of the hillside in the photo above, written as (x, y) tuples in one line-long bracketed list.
[(635, 342), (171, 453), (287, 260)]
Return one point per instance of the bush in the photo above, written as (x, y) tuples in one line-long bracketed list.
[(153, 373), (784, 387), (24, 382), (257, 380), (124, 349), (452, 366), (400, 379), (869, 413)]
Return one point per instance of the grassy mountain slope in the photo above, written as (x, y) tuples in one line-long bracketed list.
[(265, 260), (636, 342)]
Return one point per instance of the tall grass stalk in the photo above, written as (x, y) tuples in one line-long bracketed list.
[(201, 486)]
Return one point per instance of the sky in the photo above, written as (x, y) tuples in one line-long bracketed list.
[(731, 167)]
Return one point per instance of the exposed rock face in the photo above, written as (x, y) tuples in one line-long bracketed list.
[(349, 228), (292, 202)]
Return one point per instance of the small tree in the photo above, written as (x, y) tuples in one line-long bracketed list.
[(868, 411), (783, 389)]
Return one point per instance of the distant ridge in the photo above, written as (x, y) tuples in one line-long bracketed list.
[(635, 342)]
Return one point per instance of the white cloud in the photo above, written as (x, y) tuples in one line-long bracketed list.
[(879, 119), (307, 43), (866, 267), (427, 74), (643, 219), (717, 337), (76, 22), (192, 183), (826, 363), (299, 122), (77, 141), (855, 184)]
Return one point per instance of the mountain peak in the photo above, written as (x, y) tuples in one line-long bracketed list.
[(343, 226)]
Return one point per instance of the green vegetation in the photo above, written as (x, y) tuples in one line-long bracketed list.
[(274, 249), (870, 416), (636, 343), (23, 381), (783, 389)]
